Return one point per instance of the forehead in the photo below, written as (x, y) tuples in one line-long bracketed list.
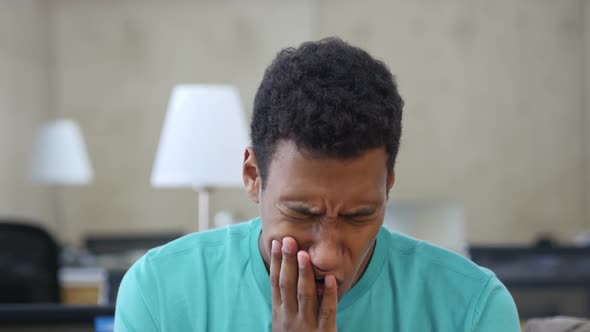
[(296, 173)]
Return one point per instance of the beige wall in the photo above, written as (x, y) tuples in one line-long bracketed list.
[(494, 106), (117, 62), (495, 111), (24, 104)]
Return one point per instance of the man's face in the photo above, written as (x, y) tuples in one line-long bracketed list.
[(333, 208)]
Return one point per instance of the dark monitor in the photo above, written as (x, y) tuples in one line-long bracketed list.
[(563, 267), (544, 281), (117, 244)]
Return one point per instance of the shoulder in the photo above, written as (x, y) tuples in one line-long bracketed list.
[(190, 255), (454, 280), (427, 257), (167, 284), (200, 241)]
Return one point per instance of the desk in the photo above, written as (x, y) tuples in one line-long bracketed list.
[(543, 281), (51, 317)]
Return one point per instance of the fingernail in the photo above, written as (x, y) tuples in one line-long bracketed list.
[(286, 249), (301, 259), (330, 281), (274, 246)]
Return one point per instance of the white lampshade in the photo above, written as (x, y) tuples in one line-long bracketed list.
[(59, 155), (203, 139)]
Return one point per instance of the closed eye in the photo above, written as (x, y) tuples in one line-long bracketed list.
[(359, 214), (298, 214), (298, 211)]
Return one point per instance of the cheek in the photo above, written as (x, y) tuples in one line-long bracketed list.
[(363, 241), (275, 227)]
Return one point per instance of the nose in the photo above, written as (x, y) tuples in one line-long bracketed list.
[(327, 251)]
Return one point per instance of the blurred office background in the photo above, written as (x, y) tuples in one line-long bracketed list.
[(497, 116)]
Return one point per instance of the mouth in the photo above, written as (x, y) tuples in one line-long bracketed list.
[(320, 286)]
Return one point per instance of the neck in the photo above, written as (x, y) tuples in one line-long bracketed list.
[(364, 264), (264, 254)]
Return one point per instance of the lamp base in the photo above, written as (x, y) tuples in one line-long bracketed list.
[(203, 198)]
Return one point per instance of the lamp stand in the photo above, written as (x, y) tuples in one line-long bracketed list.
[(203, 198), (59, 213)]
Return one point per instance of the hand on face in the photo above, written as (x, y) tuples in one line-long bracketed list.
[(295, 300)]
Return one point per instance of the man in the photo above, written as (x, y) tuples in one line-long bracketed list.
[(325, 135)]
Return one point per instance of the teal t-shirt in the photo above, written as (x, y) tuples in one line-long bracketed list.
[(217, 281)]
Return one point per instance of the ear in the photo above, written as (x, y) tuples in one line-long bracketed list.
[(251, 176), (390, 181)]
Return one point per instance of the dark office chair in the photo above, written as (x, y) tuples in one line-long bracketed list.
[(28, 264)]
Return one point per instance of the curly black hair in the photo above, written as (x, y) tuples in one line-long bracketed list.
[(331, 99)]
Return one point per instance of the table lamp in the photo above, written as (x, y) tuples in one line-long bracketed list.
[(59, 156), (202, 142)]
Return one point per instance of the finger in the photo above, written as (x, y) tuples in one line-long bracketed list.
[(306, 292), (288, 275), (329, 305), (275, 269)]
